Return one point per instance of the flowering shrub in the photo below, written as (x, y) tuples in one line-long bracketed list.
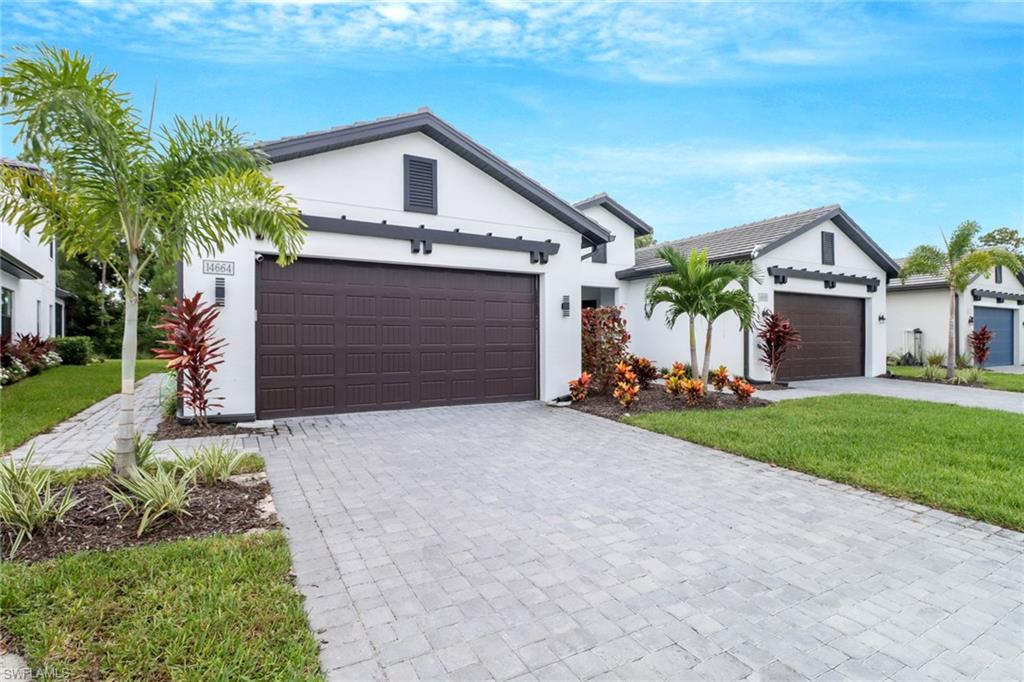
[(741, 389), (603, 344), (645, 370), (694, 390), (12, 372), (627, 387), (28, 355), (720, 378), (580, 388)]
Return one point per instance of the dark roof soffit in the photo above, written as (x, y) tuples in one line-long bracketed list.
[(17, 267), (851, 230), (427, 123), (617, 210)]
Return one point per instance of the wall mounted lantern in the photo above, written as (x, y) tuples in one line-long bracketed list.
[(881, 318), (565, 306)]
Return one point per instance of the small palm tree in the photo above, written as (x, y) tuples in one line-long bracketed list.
[(696, 288), (959, 262), (124, 195)]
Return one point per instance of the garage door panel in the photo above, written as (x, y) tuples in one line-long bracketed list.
[(832, 333), (397, 337), (1000, 322)]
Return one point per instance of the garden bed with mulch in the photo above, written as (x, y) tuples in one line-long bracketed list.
[(170, 429), (242, 504), (656, 399)]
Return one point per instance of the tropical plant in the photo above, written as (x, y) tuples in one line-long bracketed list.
[(972, 376), (124, 195), (28, 502), (579, 388), (935, 357), (644, 369), (776, 336), (720, 378), (152, 495), (979, 340), (741, 389), (958, 262), (696, 288), (627, 387), (212, 463), (681, 370), (694, 390), (603, 344), (144, 449), (191, 348), (933, 372), (674, 384)]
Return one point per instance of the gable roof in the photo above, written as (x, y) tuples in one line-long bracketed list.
[(15, 163), (617, 210), (751, 240), (424, 121), (929, 281)]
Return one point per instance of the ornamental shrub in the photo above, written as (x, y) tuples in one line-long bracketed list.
[(979, 340), (603, 344), (741, 389), (580, 388), (720, 378), (694, 390), (645, 370), (74, 350), (627, 387)]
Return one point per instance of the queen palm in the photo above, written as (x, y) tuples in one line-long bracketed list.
[(697, 288), (130, 197), (959, 262)]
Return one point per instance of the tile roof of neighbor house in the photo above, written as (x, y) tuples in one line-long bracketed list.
[(15, 163), (617, 210), (753, 239), (916, 281), (426, 122)]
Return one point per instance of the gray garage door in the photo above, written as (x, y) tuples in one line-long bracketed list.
[(336, 336), (1000, 323), (832, 333)]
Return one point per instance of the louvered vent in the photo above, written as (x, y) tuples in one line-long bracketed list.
[(828, 248), (420, 184)]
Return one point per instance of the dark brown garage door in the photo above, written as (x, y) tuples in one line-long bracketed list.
[(335, 336), (832, 329)]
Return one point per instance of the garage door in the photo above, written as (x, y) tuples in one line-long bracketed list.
[(832, 329), (1000, 323), (334, 336)]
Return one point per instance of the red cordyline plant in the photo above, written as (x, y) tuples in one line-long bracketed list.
[(980, 340), (776, 335), (191, 348), (603, 344)]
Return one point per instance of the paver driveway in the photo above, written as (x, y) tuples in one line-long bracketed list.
[(519, 540)]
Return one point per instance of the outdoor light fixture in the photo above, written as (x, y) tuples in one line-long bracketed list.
[(881, 318), (218, 291), (565, 306), (970, 320)]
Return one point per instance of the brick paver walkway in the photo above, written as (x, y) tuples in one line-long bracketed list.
[(966, 396), (521, 541)]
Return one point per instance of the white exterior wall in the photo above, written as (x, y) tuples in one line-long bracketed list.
[(928, 309), (366, 182), (621, 253), (651, 338), (30, 294)]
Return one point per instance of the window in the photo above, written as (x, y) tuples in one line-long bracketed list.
[(7, 313), (828, 248), (420, 184), (999, 274), (51, 250), (39, 318), (58, 319), (600, 254)]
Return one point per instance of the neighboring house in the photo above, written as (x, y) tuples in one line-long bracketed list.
[(30, 302), (921, 305), (433, 273), (818, 268)]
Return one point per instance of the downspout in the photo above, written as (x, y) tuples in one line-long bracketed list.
[(956, 324), (746, 339), (180, 408)]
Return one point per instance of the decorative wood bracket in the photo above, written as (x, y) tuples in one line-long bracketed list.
[(830, 279)]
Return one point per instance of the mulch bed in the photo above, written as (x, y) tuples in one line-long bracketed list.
[(922, 380), (232, 507), (656, 399), (170, 429)]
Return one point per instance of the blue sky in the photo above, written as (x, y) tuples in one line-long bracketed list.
[(696, 116)]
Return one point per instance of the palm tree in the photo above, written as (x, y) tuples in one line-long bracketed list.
[(696, 288), (960, 262), (118, 192)]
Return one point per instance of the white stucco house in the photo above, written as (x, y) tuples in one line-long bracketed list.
[(434, 273), (919, 310), (30, 302)]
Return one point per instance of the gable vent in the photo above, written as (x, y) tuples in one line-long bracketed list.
[(828, 248), (420, 184), (999, 274)]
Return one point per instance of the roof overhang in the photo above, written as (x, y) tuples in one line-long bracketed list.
[(633, 273), (17, 267), (617, 210), (979, 294), (64, 294), (852, 230), (427, 123)]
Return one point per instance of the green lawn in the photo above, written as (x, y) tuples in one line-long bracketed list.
[(961, 459), (38, 403), (214, 609), (1000, 381)]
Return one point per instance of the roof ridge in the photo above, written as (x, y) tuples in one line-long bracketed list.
[(353, 124), (737, 227)]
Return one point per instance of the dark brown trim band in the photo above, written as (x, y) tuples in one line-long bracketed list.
[(979, 294), (780, 274)]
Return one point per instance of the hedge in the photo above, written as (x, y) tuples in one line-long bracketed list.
[(74, 350)]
